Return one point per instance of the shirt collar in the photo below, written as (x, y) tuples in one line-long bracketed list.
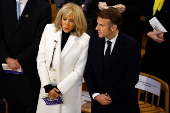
[(113, 39), (23, 1)]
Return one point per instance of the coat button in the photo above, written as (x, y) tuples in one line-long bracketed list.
[(53, 69), (54, 79)]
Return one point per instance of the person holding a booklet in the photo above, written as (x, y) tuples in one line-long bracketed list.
[(21, 25), (61, 61), (156, 59)]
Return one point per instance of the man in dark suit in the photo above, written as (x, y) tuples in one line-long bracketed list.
[(131, 11), (20, 34), (89, 8), (113, 66)]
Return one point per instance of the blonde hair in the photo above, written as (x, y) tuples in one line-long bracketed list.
[(78, 16)]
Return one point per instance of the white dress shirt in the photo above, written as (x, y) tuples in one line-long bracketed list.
[(113, 40), (22, 5)]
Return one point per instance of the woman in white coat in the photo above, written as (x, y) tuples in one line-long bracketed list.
[(61, 60)]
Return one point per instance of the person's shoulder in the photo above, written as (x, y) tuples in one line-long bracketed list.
[(50, 28), (85, 36), (42, 3), (94, 37), (127, 37), (130, 41)]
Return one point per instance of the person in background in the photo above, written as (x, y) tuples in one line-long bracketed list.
[(113, 66), (131, 11), (21, 26), (157, 58), (90, 9), (61, 60)]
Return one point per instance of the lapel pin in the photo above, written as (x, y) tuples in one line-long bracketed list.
[(26, 15)]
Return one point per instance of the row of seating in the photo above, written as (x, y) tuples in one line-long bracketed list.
[(144, 105)]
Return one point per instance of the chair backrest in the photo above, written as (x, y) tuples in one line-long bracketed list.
[(164, 87)]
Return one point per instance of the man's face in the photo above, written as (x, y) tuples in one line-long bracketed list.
[(103, 28)]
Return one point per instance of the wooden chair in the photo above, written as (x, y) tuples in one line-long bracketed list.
[(146, 107)]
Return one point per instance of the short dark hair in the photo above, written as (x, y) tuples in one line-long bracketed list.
[(113, 15)]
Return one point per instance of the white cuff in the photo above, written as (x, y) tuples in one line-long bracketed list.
[(94, 95)]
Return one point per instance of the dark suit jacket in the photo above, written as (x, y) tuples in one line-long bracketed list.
[(19, 39), (119, 78)]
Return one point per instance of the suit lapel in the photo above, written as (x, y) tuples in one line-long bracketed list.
[(116, 50), (27, 12), (70, 42)]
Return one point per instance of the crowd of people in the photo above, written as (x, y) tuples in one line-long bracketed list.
[(43, 63)]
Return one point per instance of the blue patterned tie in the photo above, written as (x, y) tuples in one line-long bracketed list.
[(18, 9), (107, 53)]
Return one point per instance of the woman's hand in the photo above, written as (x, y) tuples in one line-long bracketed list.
[(53, 94)]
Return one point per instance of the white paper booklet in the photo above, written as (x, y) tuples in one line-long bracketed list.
[(154, 22), (6, 68)]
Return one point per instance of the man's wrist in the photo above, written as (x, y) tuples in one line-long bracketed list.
[(7, 58), (94, 95)]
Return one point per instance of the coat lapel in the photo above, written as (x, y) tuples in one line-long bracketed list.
[(70, 42), (27, 12), (116, 50)]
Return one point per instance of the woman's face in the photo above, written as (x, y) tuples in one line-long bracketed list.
[(67, 23)]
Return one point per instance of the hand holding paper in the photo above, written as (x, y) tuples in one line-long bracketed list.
[(154, 35), (53, 93), (157, 34), (154, 22), (12, 64)]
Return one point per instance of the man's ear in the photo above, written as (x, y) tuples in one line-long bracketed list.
[(114, 27)]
